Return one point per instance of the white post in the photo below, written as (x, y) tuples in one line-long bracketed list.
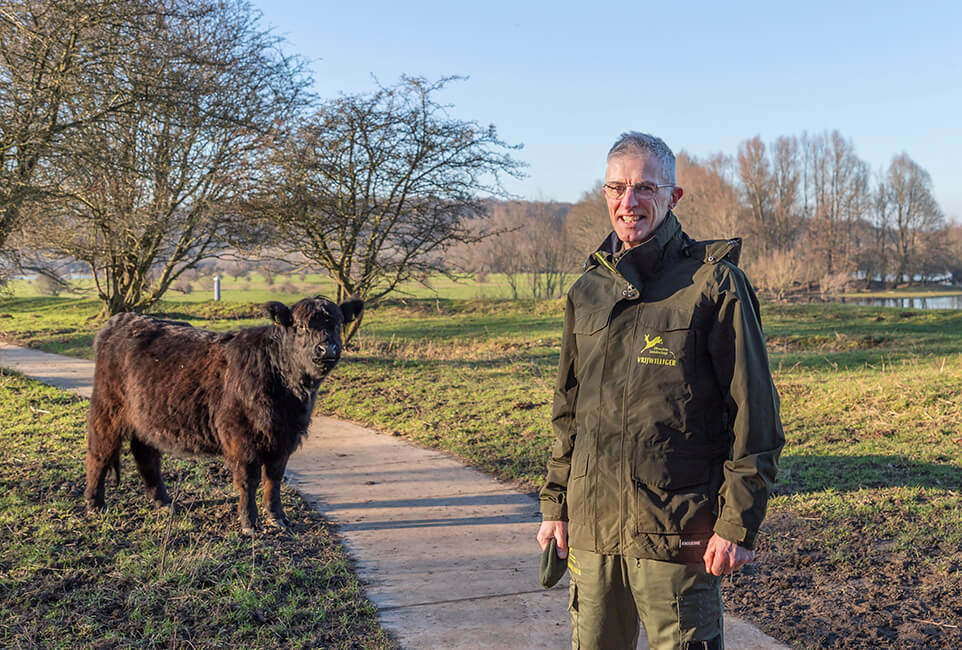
[(216, 288)]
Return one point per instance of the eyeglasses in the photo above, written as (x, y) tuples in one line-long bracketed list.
[(641, 190)]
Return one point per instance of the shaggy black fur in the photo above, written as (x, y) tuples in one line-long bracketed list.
[(246, 395)]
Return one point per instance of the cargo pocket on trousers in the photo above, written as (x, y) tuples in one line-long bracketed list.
[(700, 613)]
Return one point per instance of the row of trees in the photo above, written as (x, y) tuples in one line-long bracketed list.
[(143, 136), (811, 198), (813, 215)]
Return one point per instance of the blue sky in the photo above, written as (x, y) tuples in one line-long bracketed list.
[(565, 78)]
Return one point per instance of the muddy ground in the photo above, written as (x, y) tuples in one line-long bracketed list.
[(873, 598)]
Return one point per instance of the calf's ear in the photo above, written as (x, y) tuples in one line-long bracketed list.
[(279, 313), (351, 309)]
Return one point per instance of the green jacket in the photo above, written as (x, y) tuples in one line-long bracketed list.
[(665, 413)]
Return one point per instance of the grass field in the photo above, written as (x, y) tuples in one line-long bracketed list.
[(254, 287), (138, 577), (867, 515)]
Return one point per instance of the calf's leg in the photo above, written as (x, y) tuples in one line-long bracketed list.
[(96, 478), (273, 473), (103, 453), (148, 462), (246, 478)]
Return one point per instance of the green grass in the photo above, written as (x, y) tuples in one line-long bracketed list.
[(255, 287), (871, 403), (138, 577)]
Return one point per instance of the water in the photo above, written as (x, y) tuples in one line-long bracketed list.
[(933, 302)]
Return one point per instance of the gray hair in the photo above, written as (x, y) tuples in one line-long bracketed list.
[(644, 144)]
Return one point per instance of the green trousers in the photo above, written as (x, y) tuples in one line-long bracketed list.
[(679, 604)]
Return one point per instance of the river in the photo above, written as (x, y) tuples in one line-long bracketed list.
[(931, 302)]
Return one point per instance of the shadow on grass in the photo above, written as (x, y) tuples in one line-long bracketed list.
[(803, 474)]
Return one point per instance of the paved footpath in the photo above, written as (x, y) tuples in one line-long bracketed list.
[(445, 552)]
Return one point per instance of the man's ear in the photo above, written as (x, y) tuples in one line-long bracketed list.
[(676, 193), (279, 313), (351, 309)]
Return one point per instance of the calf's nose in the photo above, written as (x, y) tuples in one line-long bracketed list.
[(326, 350)]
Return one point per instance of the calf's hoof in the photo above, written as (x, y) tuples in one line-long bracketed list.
[(249, 530), (159, 500), (277, 522)]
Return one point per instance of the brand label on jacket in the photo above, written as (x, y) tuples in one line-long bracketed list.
[(655, 353)]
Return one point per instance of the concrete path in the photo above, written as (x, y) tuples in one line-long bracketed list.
[(445, 552)]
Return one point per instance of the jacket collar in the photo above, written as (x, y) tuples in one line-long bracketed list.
[(641, 262)]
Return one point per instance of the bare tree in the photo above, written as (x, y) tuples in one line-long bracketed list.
[(548, 255), (376, 186), (839, 198), (770, 179), (496, 244), (147, 193), (876, 259), (754, 170), (914, 210), (786, 179), (953, 239), (710, 207), (528, 243), (588, 222), (57, 74)]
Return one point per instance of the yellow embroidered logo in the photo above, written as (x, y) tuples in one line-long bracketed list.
[(655, 353)]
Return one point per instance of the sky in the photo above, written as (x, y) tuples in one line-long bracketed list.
[(564, 79)]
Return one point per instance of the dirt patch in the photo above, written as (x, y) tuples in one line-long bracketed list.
[(804, 594)]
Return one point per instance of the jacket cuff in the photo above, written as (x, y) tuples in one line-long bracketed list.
[(736, 533), (551, 511)]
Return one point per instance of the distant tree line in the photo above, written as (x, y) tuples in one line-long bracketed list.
[(813, 215)]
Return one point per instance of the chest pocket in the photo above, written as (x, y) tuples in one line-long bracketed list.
[(589, 329), (592, 322), (666, 346)]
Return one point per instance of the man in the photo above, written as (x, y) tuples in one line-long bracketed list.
[(666, 420)]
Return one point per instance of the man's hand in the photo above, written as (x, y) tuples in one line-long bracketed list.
[(558, 530), (722, 556)]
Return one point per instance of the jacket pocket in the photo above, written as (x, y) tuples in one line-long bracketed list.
[(590, 329), (665, 366), (591, 322), (665, 339), (576, 482), (676, 497)]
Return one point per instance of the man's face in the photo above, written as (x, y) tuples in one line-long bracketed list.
[(633, 217)]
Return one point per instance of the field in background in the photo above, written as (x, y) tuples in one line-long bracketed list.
[(867, 515), (256, 287)]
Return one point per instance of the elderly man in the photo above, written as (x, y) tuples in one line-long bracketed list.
[(666, 420)]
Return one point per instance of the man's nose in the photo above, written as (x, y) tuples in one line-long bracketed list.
[(629, 200)]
